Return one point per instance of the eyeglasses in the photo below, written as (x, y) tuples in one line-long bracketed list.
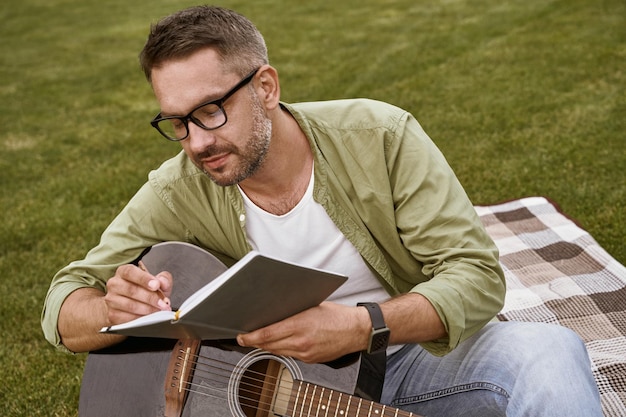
[(209, 115)]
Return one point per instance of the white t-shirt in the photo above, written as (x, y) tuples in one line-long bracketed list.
[(306, 235)]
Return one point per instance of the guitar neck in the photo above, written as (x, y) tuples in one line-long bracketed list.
[(312, 400)]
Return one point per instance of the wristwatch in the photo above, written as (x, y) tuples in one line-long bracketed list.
[(379, 338)]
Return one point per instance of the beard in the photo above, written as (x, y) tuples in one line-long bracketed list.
[(251, 155)]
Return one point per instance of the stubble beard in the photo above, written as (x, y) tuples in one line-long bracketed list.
[(251, 155)]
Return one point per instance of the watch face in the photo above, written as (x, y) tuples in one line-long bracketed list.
[(379, 341)]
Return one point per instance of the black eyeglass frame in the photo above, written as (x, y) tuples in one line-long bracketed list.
[(219, 103)]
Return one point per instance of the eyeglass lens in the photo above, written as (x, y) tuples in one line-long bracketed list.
[(209, 116)]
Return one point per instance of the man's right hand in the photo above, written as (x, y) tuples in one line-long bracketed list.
[(131, 293)]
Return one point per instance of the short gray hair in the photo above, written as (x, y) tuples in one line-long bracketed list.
[(236, 39)]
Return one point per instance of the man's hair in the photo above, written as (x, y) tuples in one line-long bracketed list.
[(237, 41)]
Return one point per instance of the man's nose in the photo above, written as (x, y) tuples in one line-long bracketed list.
[(200, 138)]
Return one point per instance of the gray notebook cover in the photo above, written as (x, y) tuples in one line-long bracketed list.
[(255, 292)]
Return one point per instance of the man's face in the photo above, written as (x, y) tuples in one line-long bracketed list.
[(232, 152)]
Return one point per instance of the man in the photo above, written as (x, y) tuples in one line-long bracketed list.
[(353, 186)]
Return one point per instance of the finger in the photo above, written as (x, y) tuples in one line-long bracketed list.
[(302, 348), (139, 286), (161, 284), (166, 282), (153, 283), (121, 309), (270, 335)]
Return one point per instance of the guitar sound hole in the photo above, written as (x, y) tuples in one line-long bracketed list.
[(264, 389)]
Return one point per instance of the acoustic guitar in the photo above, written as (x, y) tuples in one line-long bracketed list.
[(166, 377)]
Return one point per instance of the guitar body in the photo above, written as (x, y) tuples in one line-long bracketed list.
[(131, 378)]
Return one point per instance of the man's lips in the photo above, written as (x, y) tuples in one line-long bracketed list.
[(214, 162)]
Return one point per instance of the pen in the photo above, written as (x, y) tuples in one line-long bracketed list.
[(158, 290)]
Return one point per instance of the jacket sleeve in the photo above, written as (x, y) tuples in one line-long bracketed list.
[(144, 221), (439, 227)]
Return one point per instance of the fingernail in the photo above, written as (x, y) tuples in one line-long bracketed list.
[(154, 284), (163, 305)]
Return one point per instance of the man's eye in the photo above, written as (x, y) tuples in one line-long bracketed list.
[(210, 110)]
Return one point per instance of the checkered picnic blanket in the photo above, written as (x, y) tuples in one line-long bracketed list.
[(557, 273)]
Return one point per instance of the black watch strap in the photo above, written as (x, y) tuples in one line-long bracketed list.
[(379, 338)]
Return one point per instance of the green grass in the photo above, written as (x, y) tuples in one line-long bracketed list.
[(524, 97)]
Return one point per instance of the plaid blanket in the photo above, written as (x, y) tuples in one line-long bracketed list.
[(557, 273)]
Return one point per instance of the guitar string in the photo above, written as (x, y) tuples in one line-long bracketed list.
[(245, 391), (316, 405), (245, 400), (323, 402), (219, 372), (247, 387), (223, 369)]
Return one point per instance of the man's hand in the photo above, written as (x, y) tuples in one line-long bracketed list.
[(131, 293), (331, 330), (319, 334)]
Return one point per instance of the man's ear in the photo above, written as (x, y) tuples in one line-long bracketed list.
[(268, 86)]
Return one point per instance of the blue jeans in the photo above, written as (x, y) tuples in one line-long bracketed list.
[(507, 369)]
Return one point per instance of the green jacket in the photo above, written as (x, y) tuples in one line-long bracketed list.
[(380, 179)]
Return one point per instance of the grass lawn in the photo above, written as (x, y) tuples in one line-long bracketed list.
[(524, 97)]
